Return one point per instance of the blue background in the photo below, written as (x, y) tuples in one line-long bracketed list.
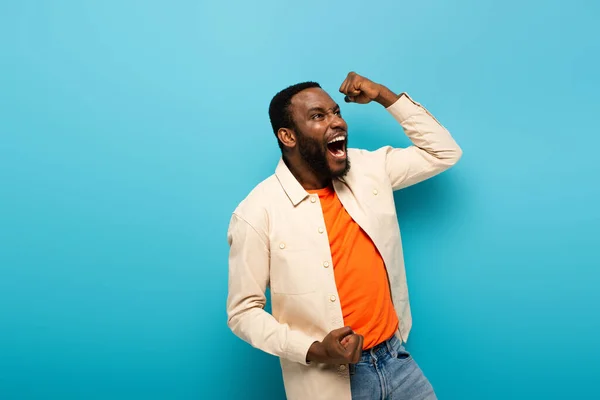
[(129, 131)]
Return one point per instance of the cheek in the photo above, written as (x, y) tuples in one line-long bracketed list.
[(317, 133)]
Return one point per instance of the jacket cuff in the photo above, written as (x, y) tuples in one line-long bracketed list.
[(404, 108), (297, 347)]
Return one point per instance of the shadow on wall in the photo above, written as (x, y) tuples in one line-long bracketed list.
[(432, 215), (435, 201)]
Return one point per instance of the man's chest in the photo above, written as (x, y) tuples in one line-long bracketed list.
[(304, 240)]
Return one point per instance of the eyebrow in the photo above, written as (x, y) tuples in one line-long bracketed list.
[(313, 109)]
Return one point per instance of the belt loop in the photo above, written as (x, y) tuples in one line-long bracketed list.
[(391, 348), (373, 355)]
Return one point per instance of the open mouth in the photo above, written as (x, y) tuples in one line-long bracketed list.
[(337, 147)]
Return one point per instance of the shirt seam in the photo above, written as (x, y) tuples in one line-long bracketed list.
[(253, 228)]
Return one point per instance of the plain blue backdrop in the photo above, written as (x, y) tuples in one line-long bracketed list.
[(130, 130)]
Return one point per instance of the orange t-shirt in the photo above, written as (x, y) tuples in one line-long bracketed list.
[(360, 274)]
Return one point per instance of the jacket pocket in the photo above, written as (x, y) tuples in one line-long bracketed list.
[(292, 272)]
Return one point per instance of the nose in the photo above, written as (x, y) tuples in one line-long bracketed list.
[(337, 122)]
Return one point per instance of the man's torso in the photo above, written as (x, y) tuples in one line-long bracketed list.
[(304, 293)]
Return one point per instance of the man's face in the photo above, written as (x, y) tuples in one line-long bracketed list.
[(321, 132)]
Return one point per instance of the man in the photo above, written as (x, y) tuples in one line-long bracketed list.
[(325, 238)]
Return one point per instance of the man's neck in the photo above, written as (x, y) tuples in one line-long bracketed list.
[(307, 178)]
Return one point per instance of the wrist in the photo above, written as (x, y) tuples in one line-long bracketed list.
[(386, 97), (316, 352)]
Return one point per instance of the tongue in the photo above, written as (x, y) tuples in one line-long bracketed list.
[(337, 153), (336, 148)]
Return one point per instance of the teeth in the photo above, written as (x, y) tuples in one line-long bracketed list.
[(337, 139)]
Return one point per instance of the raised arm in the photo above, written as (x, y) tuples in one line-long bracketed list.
[(433, 149)]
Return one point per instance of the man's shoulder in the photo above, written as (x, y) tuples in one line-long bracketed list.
[(366, 154), (254, 206), (364, 158)]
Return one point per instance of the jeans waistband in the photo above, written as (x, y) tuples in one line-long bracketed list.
[(379, 350)]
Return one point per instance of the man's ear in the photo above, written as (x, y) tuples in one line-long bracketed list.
[(287, 137)]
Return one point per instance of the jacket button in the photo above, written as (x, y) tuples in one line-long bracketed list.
[(321, 230), (326, 264), (282, 245), (313, 200), (375, 192), (342, 367), (332, 298)]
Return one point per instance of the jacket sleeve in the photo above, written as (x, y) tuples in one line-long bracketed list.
[(248, 280), (433, 149)]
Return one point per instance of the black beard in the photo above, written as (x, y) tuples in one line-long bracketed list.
[(314, 153)]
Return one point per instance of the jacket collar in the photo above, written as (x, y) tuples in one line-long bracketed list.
[(293, 189)]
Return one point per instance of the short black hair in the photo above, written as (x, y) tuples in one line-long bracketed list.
[(279, 109)]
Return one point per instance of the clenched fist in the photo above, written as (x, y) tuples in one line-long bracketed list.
[(340, 346), (361, 90)]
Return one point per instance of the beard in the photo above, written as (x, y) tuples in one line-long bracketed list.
[(314, 153)]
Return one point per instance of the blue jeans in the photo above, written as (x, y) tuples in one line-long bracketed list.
[(388, 372)]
